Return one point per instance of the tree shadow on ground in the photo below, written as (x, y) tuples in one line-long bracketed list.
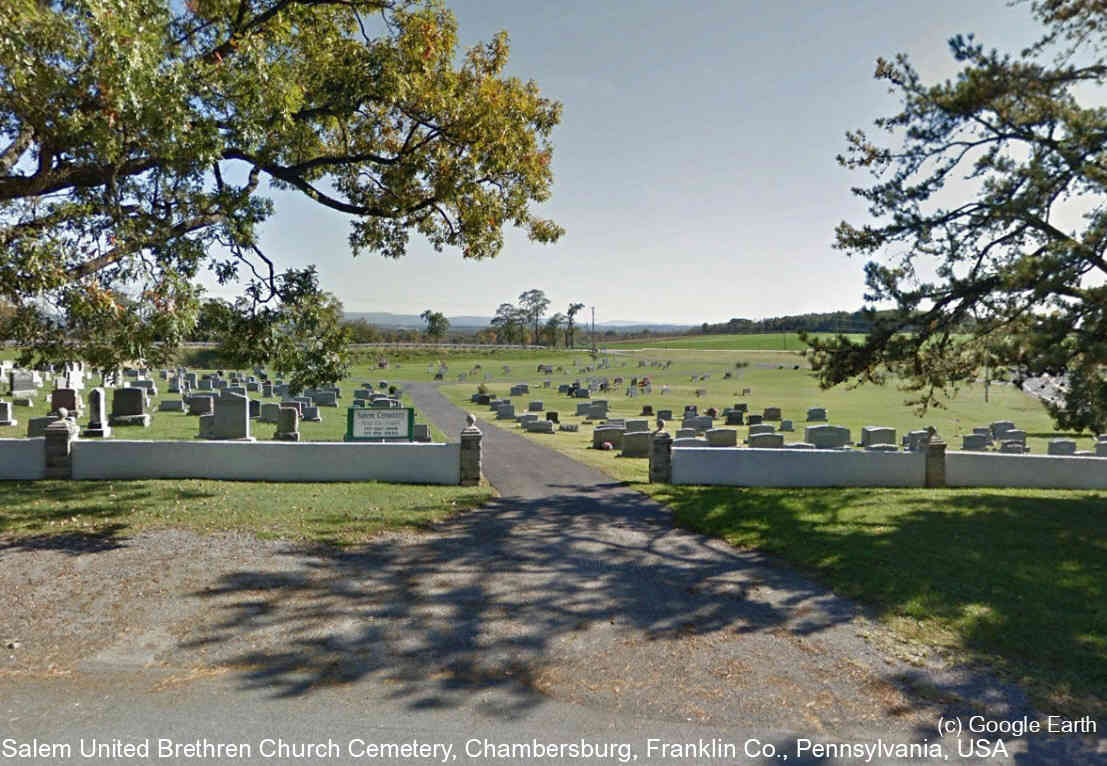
[(105, 538), (497, 599), (36, 506), (480, 603), (1015, 578)]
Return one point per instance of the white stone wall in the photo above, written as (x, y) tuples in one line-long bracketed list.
[(23, 458), (744, 467), (409, 463), (994, 469)]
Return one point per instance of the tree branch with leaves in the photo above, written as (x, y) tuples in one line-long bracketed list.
[(134, 137), (988, 222)]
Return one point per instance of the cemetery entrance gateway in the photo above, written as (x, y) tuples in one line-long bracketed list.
[(364, 424)]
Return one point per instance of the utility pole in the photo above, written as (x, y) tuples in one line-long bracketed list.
[(593, 328)]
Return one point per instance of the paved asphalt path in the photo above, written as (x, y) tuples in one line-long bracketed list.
[(568, 610)]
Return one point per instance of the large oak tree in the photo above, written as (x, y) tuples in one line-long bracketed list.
[(137, 138), (988, 228)]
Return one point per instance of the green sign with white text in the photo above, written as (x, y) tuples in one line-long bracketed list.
[(364, 424)]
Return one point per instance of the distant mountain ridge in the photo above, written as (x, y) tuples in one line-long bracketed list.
[(412, 321)]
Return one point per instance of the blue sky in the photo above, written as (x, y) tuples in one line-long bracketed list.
[(695, 162)]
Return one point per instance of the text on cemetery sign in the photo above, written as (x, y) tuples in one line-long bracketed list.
[(364, 424)]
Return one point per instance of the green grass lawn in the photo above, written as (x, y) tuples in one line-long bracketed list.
[(335, 513), (1016, 578), (770, 341)]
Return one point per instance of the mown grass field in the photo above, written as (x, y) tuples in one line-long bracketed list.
[(770, 341), (343, 513)]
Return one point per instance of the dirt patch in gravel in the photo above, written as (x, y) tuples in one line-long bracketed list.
[(74, 601)]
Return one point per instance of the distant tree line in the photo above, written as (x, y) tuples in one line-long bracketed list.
[(836, 321)]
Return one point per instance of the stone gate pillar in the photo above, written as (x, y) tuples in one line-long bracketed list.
[(661, 458), (935, 463), (59, 453), (470, 453)]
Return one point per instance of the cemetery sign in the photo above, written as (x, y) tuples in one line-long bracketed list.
[(375, 424)]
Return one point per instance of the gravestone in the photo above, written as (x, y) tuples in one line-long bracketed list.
[(1014, 434), (916, 440), (553, 416), (816, 414), (722, 437), (288, 425), (686, 433), (67, 398), (149, 385), (230, 421), (638, 425), (6, 418), (1061, 447), (798, 445), (984, 431), (37, 426), (269, 412), (128, 408), (535, 406), (762, 428), (505, 412), (699, 423), (771, 413), (827, 437), (21, 383), (421, 433), (974, 442), (255, 408), (171, 405), (267, 389), (582, 393), (665, 415), (200, 404), (539, 426), (766, 441), (1012, 447), (1101, 449), (647, 409), (689, 442), (596, 411), (611, 434), (871, 435), (734, 418), (636, 444), (786, 425), (754, 419), (1000, 427), (311, 414), (741, 407), (568, 427)]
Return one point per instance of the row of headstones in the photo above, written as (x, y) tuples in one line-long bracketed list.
[(1013, 440)]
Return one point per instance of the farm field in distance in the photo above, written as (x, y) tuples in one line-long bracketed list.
[(772, 341)]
